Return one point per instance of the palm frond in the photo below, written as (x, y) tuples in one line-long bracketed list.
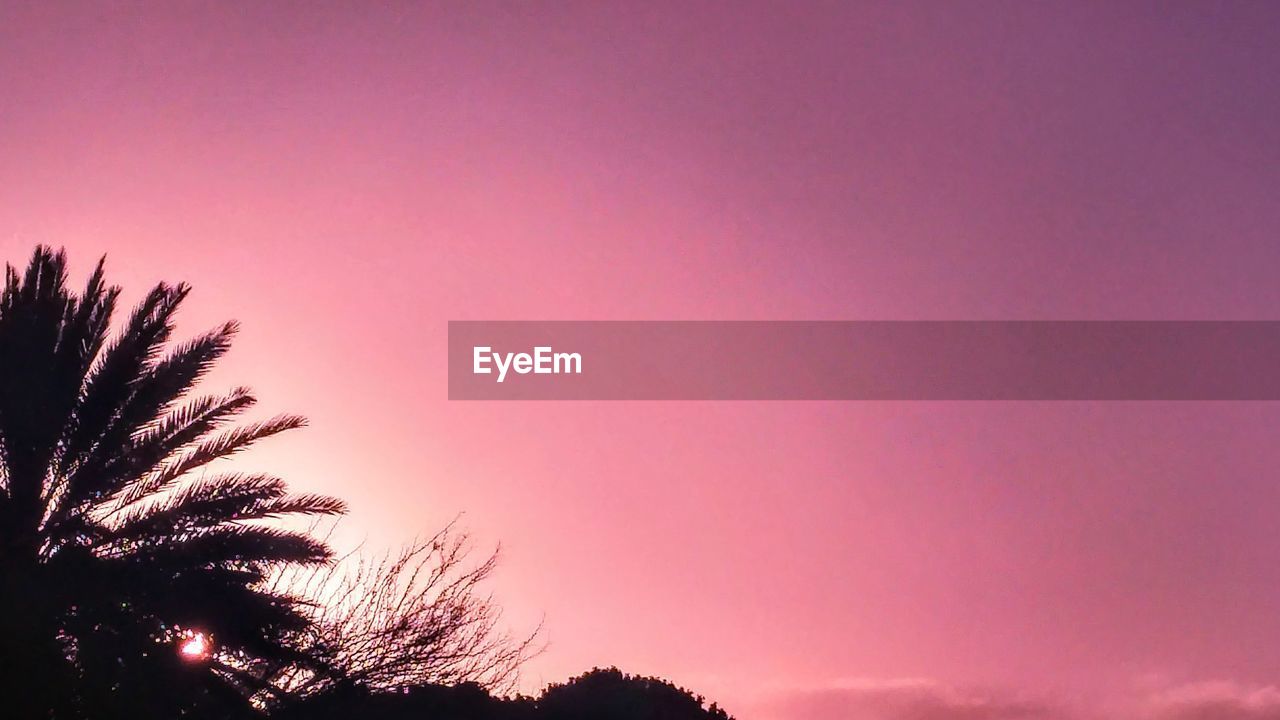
[(119, 457), (240, 545), (112, 380), (210, 502), (106, 541), (223, 445)]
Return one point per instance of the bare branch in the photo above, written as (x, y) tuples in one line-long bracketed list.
[(418, 616)]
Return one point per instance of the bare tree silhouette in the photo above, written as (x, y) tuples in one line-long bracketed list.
[(417, 617)]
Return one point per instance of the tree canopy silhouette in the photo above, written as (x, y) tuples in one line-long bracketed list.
[(116, 542), (611, 693), (139, 582)]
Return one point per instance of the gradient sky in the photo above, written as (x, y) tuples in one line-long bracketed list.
[(345, 179)]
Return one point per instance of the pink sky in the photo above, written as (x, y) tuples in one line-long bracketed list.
[(345, 180)]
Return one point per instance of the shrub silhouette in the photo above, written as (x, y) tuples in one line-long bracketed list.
[(110, 546), (602, 694), (612, 694)]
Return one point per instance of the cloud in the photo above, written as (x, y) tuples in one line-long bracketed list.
[(1216, 701), (923, 699), (905, 699)]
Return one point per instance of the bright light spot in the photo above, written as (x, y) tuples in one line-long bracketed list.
[(195, 647)]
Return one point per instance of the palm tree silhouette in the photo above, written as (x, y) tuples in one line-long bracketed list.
[(114, 551)]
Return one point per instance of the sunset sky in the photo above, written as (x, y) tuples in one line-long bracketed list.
[(345, 179)]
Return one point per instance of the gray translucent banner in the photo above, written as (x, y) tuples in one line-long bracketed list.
[(882, 360)]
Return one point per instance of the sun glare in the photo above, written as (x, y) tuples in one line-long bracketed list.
[(194, 647)]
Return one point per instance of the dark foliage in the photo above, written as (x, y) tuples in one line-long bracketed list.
[(597, 695), (614, 695), (111, 545)]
